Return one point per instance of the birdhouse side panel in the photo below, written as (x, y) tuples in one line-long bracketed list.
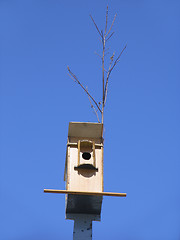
[(72, 160)]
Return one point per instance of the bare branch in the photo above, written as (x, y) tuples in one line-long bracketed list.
[(106, 20), (102, 36), (98, 55), (105, 50), (78, 82), (103, 93), (95, 25), (107, 78), (106, 54), (110, 36), (93, 107), (117, 59), (110, 70), (111, 25)]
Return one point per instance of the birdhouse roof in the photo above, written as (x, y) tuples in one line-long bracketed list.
[(85, 129)]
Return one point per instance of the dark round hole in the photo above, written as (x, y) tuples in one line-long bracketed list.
[(86, 155)]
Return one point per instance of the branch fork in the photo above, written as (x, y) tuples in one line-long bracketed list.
[(104, 37)]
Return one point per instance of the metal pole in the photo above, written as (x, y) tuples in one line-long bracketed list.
[(82, 227)]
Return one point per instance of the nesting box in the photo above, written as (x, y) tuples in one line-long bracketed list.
[(84, 171), (84, 167)]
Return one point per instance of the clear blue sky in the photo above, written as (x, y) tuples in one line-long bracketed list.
[(38, 39)]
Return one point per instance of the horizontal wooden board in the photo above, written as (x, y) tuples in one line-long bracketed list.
[(85, 193), (85, 129)]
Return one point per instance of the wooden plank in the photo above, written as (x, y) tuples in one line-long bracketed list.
[(71, 144), (85, 129), (102, 166), (65, 169), (68, 166), (85, 193)]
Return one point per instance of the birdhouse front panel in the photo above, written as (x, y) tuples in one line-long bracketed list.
[(84, 168)]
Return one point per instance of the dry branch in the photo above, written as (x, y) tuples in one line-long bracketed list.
[(98, 55), (104, 37), (110, 70), (118, 58), (111, 25), (109, 36), (106, 20), (96, 26), (73, 76), (92, 106)]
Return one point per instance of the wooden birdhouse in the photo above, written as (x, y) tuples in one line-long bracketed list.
[(84, 171), (84, 167)]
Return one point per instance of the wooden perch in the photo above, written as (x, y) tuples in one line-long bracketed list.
[(85, 193)]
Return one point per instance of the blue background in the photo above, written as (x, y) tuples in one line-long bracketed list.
[(38, 39)]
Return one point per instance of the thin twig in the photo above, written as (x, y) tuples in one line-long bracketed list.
[(93, 107), (100, 40), (106, 54), (73, 76), (107, 78), (117, 59), (103, 96), (102, 34), (95, 25), (106, 20), (110, 70), (105, 50), (110, 36), (111, 25), (98, 55)]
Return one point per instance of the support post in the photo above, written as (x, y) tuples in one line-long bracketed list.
[(82, 225), (82, 228)]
